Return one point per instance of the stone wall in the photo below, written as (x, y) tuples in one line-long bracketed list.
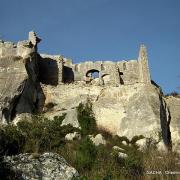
[(7, 48), (51, 69), (56, 69), (62, 70), (22, 48)]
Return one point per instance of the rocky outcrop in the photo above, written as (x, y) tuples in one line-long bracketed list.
[(127, 110), (173, 104), (48, 166), (20, 90)]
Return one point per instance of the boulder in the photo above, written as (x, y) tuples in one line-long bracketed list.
[(71, 118), (122, 155), (121, 152), (118, 148), (141, 143), (73, 136), (161, 147), (98, 139), (48, 166)]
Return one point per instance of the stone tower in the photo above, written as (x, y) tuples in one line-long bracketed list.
[(144, 75)]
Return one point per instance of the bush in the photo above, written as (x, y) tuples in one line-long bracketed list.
[(133, 163), (86, 118), (86, 154), (35, 136), (11, 140), (7, 173), (174, 94)]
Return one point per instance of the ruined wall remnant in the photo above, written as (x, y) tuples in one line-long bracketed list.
[(55, 70), (22, 48), (51, 69), (143, 66), (109, 73)]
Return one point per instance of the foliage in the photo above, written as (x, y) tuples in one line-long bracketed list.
[(86, 118), (6, 172), (34, 136), (174, 94), (152, 141), (133, 162), (11, 140), (40, 134), (86, 154), (105, 133)]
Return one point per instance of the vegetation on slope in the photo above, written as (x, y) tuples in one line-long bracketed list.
[(93, 162)]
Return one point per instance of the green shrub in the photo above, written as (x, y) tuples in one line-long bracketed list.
[(152, 141), (34, 136), (133, 163), (86, 118), (42, 134), (7, 173), (86, 154), (11, 140), (174, 93)]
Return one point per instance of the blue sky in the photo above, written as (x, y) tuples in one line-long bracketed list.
[(101, 30)]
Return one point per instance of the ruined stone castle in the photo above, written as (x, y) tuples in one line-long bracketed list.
[(124, 100), (56, 70)]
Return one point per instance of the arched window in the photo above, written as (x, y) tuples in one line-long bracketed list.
[(92, 74)]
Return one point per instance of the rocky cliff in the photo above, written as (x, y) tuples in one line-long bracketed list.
[(125, 111), (20, 90), (174, 108)]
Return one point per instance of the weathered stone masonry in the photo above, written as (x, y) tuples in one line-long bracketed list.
[(58, 69), (62, 70)]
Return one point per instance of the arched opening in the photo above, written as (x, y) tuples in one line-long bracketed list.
[(92, 75)]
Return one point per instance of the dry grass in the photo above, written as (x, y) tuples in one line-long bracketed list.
[(158, 164), (106, 166)]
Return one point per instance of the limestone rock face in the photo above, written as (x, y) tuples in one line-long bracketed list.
[(20, 90), (47, 166), (174, 108), (127, 110)]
